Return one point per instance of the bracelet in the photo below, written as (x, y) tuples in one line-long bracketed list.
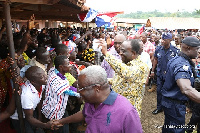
[(152, 72)]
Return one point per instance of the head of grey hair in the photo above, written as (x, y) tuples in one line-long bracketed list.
[(95, 74)]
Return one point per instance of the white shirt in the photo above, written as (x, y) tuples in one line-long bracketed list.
[(145, 57), (29, 98), (95, 45)]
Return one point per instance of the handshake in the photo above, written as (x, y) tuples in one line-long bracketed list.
[(53, 125)]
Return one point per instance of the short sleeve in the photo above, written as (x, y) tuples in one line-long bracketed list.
[(182, 72), (27, 102), (132, 122), (155, 54)]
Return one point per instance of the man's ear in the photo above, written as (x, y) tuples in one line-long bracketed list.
[(133, 54), (97, 87), (60, 67)]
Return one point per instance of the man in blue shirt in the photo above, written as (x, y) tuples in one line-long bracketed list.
[(178, 86), (161, 57)]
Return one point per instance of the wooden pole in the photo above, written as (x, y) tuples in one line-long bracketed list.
[(87, 25), (12, 55)]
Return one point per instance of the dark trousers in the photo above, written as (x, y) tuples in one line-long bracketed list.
[(28, 127), (174, 117), (154, 80), (160, 83), (195, 119)]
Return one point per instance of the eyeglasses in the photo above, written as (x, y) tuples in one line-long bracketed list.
[(86, 87), (80, 89)]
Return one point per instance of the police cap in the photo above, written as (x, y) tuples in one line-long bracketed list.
[(191, 41), (167, 36)]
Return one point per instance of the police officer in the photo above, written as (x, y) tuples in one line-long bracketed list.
[(178, 86), (162, 55)]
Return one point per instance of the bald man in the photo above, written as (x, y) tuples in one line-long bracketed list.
[(114, 50), (30, 99)]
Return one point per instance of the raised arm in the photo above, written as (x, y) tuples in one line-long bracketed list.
[(81, 38)]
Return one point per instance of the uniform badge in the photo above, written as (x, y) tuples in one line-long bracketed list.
[(158, 54), (185, 67), (172, 54)]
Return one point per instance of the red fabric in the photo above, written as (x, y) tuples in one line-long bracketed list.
[(141, 30), (110, 14), (66, 43), (21, 84), (39, 93), (74, 38), (81, 67), (131, 37), (5, 127), (112, 44), (82, 16), (149, 47)]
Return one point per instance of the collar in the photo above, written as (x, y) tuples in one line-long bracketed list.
[(134, 60), (40, 92), (170, 47), (33, 89), (23, 69), (111, 98)]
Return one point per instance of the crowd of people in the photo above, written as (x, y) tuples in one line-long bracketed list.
[(97, 78)]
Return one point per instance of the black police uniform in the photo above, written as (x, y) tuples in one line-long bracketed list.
[(163, 56), (173, 101)]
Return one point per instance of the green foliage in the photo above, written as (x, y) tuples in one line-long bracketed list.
[(146, 15), (198, 11)]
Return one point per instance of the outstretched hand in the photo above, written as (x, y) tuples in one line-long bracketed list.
[(55, 125)]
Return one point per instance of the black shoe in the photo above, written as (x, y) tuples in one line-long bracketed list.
[(156, 111)]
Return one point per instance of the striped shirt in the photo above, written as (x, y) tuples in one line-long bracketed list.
[(55, 101)]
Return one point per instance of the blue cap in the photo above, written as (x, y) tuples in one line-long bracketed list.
[(167, 36), (191, 41)]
